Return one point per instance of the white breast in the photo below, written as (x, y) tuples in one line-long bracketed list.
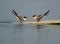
[(34, 18), (24, 18)]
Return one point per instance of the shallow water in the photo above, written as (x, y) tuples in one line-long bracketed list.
[(12, 33)]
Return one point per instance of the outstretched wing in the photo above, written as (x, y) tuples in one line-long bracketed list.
[(15, 13), (45, 14), (41, 16), (38, 17)]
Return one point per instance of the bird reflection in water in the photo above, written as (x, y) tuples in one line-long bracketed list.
[(39, 26), (18, 34), (19, 26)]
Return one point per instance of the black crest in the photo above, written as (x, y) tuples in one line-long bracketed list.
[(25, 17)]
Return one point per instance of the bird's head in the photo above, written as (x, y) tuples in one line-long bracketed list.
[(25, 17), (34, 15)]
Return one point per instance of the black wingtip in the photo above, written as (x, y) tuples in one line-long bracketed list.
[(14, 12), (47, 12)]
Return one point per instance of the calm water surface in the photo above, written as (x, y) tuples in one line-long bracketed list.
[(12, 33)]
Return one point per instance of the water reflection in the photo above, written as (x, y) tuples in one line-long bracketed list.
[(41, 34), (38, 37), (47, 35), (39, 26), (19, 26), (18, 34), (30, 35)]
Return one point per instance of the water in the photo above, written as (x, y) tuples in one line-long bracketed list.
[(13, 33)]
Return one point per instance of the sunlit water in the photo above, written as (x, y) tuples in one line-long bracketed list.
[(13, 33)]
